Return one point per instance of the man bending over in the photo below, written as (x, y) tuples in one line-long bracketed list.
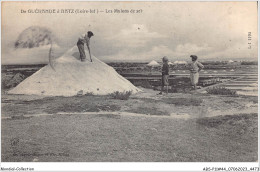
[(84, 39)]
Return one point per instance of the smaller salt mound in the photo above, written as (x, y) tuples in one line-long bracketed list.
[(72, 76), (153, 63)]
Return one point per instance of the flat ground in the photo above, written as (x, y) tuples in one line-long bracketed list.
[(147, 127)]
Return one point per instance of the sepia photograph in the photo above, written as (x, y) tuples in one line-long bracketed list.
[(129, 81)]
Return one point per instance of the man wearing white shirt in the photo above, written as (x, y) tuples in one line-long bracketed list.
[(195, 68), (84, 39)]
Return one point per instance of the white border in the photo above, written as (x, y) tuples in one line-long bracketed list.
[(131, 166)]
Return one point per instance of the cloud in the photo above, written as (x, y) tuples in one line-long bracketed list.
[(154, 53), (183, 51), (137, 35), (237, 51), (189, 48), (35, 55)]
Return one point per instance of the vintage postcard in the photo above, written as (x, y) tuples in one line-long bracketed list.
[(129, 82)]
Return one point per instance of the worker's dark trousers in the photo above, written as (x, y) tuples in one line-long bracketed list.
[(81, 51)]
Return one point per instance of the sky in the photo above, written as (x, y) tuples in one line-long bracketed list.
[(210, 30)]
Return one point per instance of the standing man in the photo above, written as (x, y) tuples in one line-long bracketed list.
[(85, 38), (165, 74), (195, 67)]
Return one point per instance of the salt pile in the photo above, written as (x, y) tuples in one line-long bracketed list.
[(153, 63), (72, 76)]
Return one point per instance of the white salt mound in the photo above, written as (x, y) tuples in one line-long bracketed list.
[(153, 63), (72, 76)]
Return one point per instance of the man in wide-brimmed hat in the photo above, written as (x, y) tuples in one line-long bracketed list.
[(84, 39), (195, 67)]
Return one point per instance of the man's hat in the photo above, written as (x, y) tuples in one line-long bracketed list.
[(194, 57), (90, 33), (165, 58)]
